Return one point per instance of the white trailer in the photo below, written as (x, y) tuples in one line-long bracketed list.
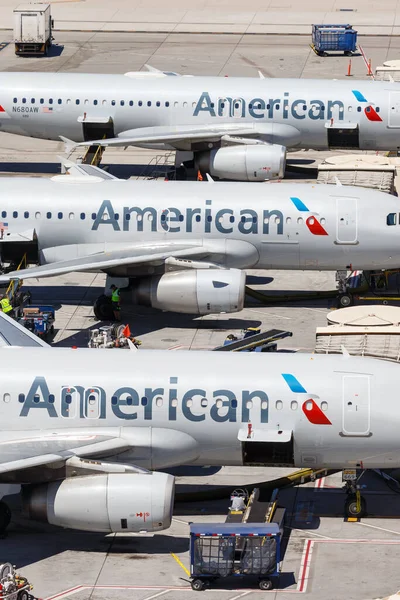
[(32, 29)]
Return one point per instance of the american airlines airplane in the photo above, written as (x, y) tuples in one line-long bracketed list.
[(80, 427), (182, 246), (233, 128)]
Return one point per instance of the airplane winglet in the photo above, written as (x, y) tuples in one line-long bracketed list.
[(152, 69), (261, 75), (70, 145), (209, 178), (132, 345)]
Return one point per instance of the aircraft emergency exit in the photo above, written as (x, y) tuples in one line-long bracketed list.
[(81, 426), (231, 127), (183, 246)]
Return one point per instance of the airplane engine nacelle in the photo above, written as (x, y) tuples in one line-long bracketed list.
[(195, 291), (244, 163), (107, 503)]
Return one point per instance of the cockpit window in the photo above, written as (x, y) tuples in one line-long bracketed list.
[(391, 219)]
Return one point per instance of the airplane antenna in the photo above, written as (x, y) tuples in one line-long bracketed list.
[(338, 182), (344, 352), (261, 75), (209, 178)]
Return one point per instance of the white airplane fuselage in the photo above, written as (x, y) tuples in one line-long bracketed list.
[(274, 226), (202, 408), (302, 112)]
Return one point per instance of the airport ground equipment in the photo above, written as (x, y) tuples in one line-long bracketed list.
[(32, 29), (112, 336), (355, 505), (253, 340), (13, 586), (39, 319), (333, 38), (234, 549)]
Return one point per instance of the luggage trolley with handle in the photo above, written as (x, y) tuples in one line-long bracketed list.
[(235, 549)]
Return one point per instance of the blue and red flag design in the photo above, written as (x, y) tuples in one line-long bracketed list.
[(369, 110), (309, 407), (312, 222)]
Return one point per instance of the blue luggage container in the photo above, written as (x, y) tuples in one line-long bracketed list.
[(333, 38)]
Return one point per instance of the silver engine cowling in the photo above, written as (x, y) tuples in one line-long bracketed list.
[(109, 503), (244, 163), (196, 291)]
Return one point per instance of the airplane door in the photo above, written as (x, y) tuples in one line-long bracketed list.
[(356, 405), (394, 109), (346, 223)]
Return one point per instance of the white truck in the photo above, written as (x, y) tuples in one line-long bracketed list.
[(32, 29)]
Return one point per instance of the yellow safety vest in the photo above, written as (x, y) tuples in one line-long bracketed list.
[(5, 305), (115, 296)]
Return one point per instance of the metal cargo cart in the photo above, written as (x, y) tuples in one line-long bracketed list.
[(333, 38), (39, 319), (234, 549)]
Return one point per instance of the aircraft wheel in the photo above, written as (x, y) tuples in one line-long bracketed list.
[(23, 595), (5, 516), (103, 308), (351, 509), (265, 584)]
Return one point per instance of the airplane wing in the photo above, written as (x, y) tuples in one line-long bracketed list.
[(14, 334), (182, 135), (82, 170), (154, 254)]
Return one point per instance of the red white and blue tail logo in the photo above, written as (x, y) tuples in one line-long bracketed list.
[(312, 221), (310, 408)]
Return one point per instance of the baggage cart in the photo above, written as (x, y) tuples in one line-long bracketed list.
[(333, 38), (235, 549), (13, 586), (39, 319)]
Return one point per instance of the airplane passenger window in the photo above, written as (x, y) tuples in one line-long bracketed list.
[(113, 102), (149, 103), (4, 214), (114, 400), (288, 220), (167, 104), (322, 220), (324, 405), (6, 397), (219, 403), (129, 400), (94, 216), (234, 403), (32, 100), (60, 215), (144, 401), (304, 107), (15, 100), (209, 218), (68, 398), (189, 402), (68, 100), (300, 220), (204, 402), (36, 398), (251, 106), (127, 217), (59, 101), (41, 100), (359, 108), (104, 102), (86, 101), (26, 214), (174, 402), (249, 404), (309, 405), (140, 103), (377, 109), (15, 214), (294, 405), (48, 215), (349, 108), (51, 398), (159, 401), (83, 216), (268, 106), (277, 220), (122, 103), (95, 102), (92, 399), (236, 104), (23, 100), (231, 219), (130, 102), (176, 104), (77, 101), (50, 100), (181, 217), (116, 216), (21, 398), (71, 216), (391, 219), (279, 405), (198, 218), (158, 103), (277, 106), (184, 104)]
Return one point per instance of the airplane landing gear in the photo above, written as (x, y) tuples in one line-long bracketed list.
[(5, 518), (103, 308), (355, 506)]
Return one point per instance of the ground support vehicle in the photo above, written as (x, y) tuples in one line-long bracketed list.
[(13, 586), (112, 336), (32, 29)]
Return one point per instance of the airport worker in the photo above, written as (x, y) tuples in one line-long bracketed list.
[(5, 305), (115, 300)]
